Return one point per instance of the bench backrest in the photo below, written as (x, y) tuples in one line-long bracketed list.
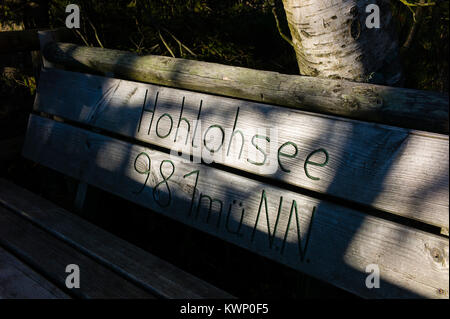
[(327, 196)]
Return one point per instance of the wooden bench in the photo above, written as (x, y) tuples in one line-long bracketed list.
[(39, 239), (328, 196)]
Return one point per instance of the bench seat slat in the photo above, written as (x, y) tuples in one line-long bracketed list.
[(342, 241), (17, 280), (156, 275), (51, 256), (396, 170)]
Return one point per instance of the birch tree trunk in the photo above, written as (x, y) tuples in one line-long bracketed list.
[(331, 40)]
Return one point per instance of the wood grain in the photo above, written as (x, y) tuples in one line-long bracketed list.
[(327, 241), (409, 108), (137, 265), (400, 171), (19, 281), (50, 256)]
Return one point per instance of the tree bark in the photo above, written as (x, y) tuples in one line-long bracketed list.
[(331, 40)]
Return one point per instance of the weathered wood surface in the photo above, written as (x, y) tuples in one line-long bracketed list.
[(135, 264), (400, 171), (80, 196), (50, 256), (324, 240), (18, 281), (415, 109)]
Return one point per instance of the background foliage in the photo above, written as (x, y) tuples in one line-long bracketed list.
[(237, 32)]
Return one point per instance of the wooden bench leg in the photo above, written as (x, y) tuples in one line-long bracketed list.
[(80, 197)]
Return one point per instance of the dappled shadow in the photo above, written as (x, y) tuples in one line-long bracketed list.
[(330, 245)]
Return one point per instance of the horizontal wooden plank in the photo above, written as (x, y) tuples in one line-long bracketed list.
[(322, 239), (409, 108), (134, 263), (51, 256), (400, 171), (19, 281)]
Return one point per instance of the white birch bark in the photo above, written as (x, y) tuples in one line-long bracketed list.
[(331, 40)]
